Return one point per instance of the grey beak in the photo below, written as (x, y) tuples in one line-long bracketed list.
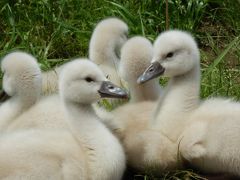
[(110, 90), (3, 96), (154, 70)]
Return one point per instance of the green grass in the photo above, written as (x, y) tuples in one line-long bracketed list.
[(55, 31)]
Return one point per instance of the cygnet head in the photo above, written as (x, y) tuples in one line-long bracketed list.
[(113, 25), (82, 82), (108, 37), (21, 75), (175, 53), (136, 55)]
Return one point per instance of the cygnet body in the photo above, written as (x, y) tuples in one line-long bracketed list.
[(108, 155), (207, 132), (47, 113), (37, 154), (22, 83), (87, 151), (145, 148), (211, 142), (176, 55), (136, 55)]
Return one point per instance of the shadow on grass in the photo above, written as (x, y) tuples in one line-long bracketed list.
[(189, 174)]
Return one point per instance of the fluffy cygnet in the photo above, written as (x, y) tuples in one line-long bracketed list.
[(207, 132), (176, 56), (107, 39), (136, 55), (78, 92), (90, 151), (211, 141), (21, 82), (145, 148)]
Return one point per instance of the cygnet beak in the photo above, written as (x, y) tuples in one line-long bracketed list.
[(3, 96), (110, 90), (154, 70)]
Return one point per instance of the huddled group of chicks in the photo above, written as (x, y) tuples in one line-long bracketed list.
[(52, 128)]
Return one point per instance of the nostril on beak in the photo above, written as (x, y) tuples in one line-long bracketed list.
[(110, 87), (151, 70)]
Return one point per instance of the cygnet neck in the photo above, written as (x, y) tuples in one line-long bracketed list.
[(180, 98), (82, 117), (29, 98), (95, 139), (111, 54), (105, 55), (149, 91), (16, 105)]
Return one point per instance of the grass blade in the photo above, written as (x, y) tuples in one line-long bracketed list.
[(220, 58)]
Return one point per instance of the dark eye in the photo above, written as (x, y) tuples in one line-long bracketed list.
[(151, 69), (89, 79), (169, 55)]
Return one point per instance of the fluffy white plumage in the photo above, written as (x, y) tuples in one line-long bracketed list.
[(207, 132), (136, 55), (104, 49), (22, 82), (87, 151), (178, 54), (145, 148)]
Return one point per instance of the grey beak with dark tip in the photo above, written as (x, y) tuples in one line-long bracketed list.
[(3, 96), (110, 90), (154, 70)]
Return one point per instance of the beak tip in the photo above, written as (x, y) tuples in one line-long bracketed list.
[(140, 80), (109, 90), (123, 95), (153, 71)]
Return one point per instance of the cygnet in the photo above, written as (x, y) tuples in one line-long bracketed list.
[(107, 39), (21, 83), (207, 132), (87, 151), (145, 148)]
